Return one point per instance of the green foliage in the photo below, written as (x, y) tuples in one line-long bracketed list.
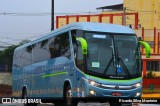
[(6, 56)]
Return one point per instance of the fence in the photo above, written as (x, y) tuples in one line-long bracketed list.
[(116, 18), (150, 89), (151, 85), (6, 78)]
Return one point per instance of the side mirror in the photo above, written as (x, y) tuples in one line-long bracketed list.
[(83, 45), (147, 48)]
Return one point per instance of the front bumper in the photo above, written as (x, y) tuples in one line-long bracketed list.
[(93, 91)]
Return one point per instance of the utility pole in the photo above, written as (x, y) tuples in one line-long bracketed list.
[(124, 16), (52, 16)]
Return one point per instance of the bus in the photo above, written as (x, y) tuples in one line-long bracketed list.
[(80, 60)]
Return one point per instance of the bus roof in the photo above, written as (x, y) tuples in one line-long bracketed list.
[(86, 26), (101, 27)]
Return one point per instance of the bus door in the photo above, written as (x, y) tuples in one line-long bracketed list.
[(79, 62)]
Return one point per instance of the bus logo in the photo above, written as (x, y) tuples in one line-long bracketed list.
[(116, 87)]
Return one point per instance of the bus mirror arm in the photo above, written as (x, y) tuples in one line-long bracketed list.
[(147, 48), (83, 44)]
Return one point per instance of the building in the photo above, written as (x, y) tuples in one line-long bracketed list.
[(141, 15)]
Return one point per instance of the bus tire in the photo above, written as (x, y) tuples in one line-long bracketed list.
[(115, 103), (68, 97), (24, 96)]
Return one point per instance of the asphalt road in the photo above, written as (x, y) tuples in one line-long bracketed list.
[(49, 104), (83, 104)]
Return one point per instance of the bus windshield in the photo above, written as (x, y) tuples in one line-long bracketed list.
[(113, 55)]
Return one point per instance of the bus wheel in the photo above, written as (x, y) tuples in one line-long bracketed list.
[(24, 96), (68, 97), (115, 103)]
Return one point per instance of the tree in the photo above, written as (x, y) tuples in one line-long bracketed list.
[(6, 56)]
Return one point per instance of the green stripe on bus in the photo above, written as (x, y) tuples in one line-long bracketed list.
[(114, 80), (110, 80), (54, 74)]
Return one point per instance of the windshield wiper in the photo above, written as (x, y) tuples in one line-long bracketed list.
[(106, 69), (113, 57), (124, 67), (138, 58)]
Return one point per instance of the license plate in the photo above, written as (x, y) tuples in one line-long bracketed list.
[(116, 94)]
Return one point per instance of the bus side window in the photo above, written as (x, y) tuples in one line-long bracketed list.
[(60, 46), (65, 45), (54, 48)]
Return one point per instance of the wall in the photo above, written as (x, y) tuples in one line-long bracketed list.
[(6, 78), (150, 38), (148, 11), (116, 18)]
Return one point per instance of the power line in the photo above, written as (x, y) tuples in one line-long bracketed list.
[(17, 41), (19, 35), (60, 13), (45, 14), (5, 43)]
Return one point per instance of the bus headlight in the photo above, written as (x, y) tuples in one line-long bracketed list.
[(138, 94), (137, 85), (91, 82), (92, 92)]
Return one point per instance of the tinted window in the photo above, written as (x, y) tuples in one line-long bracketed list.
[(60, 46), (44, 50), (40, 52), (23, 57)]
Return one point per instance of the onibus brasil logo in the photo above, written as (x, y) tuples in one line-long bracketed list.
[(14, 100)]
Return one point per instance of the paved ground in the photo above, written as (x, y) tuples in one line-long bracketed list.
[(85, 104), (99, 104)]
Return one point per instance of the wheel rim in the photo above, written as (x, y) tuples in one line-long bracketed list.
[(69, 97)]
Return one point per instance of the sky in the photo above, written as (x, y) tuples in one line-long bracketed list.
[(28, 19)]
